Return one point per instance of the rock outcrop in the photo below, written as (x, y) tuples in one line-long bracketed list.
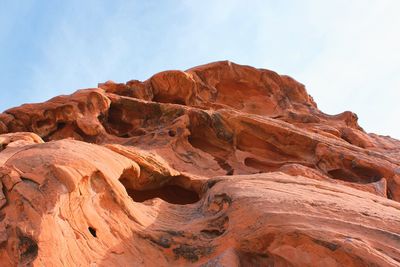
[(219, 165)]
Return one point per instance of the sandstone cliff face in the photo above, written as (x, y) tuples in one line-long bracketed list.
[(220, 165)]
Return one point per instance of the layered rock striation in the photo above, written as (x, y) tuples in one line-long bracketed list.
[(219, 165)]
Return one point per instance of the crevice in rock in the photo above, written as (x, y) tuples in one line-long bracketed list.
[(173, 194), (30, 182), (367, 174), (344, 175), (85, 137), (28, 250), (211, 233), (92, 231), (2, 147), (230, 172), (210, 184), (262, 166), (204, 144), (210, 134), (257, 259), (192, 253), (216, 227), (45, 122), (172, 189), (59, 126), (168, 99), (389, 193), (225, 165), (359, 175), (217, 151), (6, 197), (249, 142)]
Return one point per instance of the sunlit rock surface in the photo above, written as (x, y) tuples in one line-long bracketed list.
[(219, 165)]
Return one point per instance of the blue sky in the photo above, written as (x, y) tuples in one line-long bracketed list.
[(345, 52)]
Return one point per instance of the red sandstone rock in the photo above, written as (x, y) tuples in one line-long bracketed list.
[(220, 165)]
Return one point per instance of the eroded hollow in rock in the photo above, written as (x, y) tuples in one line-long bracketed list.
[(115, 123), (173, 194), (173, 189), (357, 175), (214, 150)]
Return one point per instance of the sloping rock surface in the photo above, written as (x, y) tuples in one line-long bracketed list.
[(219, 165)]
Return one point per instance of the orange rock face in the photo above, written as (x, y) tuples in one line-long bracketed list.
[(219, 165)]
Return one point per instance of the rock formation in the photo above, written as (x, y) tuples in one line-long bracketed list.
[(219, 165)]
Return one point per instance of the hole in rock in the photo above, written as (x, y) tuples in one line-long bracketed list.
[(61, 125), (2, 146), (173, 194), (92, 231), (171, 133)]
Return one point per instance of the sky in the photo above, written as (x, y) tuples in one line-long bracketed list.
[(346, 52)]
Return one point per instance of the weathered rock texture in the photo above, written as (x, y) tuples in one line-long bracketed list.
[(220, 165)]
